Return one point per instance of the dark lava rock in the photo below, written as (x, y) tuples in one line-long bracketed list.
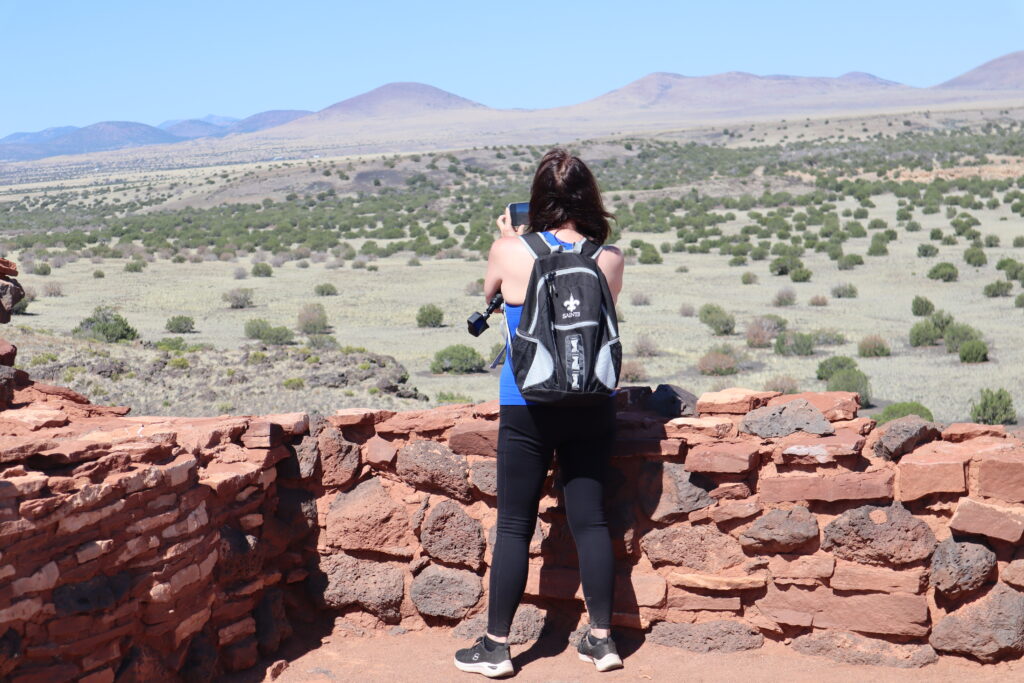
[(668, 492), (452, 536), (669, 400), (433, 466), (781, 531), (797, 415), (445, 592), (377, 587), (721, 635), (879, 535), (903, 435), (526, 626), (852, 648), (990, 628), (960, 568)]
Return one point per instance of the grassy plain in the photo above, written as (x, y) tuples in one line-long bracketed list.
[(376, 308)]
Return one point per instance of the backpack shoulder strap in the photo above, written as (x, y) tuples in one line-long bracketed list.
[(537, 245), (587, 248)]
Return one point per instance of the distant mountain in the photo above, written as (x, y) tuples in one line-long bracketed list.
[(1002, 73), (398, 99), (730, 90), (36, 137), (215, 119), (265, 119), (95, 138), (194, 128)]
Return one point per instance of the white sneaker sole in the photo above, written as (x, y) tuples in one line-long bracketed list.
[(607, 663), (489, 670)]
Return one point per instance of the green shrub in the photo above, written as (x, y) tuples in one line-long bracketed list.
[(277, 336), (784, 264), (873, 346), (748, 278), (1019, 301), (178, 362), (649, 255), (180, 324), (927, 250), (848, 261), (172, 344), (262, 270), (958, 333), (429, 315), (800, 275), (98, 274), (851, 380), (715, 317), (921, 306), (942, 320), (1018, 241), (105, 324), (457, 358), (294, 383), (846, 290), (895, 411), (255, 328), (828, 336), (944, 271), (783, 384), (998, 288), (452, 397), (325, 289), (973, 351), (974, 256), (312, 319), (924, 333), (994, 408), (134, 266), (792, 343)]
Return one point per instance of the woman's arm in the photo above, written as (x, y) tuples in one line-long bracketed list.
[(496, 256), (612, 263)]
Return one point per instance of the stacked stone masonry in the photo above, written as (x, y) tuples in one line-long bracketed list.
[(155, 548)]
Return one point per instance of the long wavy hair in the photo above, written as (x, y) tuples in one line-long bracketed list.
[(565, 190)]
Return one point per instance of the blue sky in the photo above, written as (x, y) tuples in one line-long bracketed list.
[(74, 62)]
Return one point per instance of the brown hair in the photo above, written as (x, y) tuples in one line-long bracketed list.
[(564, 190)]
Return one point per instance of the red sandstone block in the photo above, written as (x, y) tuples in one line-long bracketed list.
[(45, 674), (424, 421), (474, 437), (734, 400), (899, 614), (801, 448), (973, 517), (694, 430), (101, 676), (8, 352), (936, 467), (1001, 475), (851, 576), (727, 457), (489, 410), (292, 424), (650, 448), (962, 431), (638, 589), (861, 425), (379, 452), (786, 566), (835, 405), (680, 599), (739, 509), (350, 417), (846, 486), (263, 434)]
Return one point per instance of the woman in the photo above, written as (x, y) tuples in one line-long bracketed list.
[(566, 206)]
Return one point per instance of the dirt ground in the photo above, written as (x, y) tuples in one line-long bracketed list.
[(427, 656)]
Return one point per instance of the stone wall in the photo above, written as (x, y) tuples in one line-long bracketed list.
[(161, 548)]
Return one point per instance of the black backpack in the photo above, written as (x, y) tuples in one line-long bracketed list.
[(566, 350)]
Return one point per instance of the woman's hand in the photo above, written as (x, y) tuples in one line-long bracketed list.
[(505, 226)]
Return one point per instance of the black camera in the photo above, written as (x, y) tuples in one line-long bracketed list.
[(477, 322)]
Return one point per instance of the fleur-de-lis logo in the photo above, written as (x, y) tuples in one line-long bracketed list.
[(571, 303)]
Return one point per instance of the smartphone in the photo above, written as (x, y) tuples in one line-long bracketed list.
[(520, 213)]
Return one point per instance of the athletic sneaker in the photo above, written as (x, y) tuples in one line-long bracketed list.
[(600, 651), (489, 658)]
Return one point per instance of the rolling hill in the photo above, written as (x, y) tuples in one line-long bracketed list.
[(1002, 73)]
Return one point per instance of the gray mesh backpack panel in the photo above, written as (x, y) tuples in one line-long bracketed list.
[(566, 350)]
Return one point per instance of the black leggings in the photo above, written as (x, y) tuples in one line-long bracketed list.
[(583, 439)]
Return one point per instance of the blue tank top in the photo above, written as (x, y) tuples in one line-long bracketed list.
[(508, 392)]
